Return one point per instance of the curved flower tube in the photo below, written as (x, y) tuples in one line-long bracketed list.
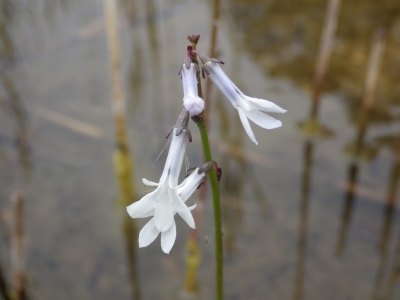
[(191, 101), (248, 108)]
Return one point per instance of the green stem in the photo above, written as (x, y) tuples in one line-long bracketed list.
[(199, 120), (212, 175)]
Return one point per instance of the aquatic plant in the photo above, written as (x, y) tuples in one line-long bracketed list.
[(169, 197)]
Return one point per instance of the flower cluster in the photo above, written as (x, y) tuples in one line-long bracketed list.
[(169, 198)]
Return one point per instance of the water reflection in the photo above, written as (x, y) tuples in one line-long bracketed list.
[(385, 265), (130, 234), (238, 174), (359, 149), (277, 37), (21, 132), (123, 163), (10, 97), (394, 275), (313, 128)]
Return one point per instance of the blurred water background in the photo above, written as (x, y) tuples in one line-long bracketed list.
[(310, 213)]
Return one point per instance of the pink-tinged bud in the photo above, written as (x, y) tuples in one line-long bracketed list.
[(194, 105), (191, 100)]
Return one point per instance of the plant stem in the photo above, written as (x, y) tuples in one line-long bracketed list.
[(201, 124), (199, 120)]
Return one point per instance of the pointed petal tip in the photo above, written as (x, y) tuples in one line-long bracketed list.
[(148, 234), (148, 182), (168, 239), (281, 111), (276, 124)]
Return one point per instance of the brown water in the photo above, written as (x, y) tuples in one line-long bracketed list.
[(293, 229)]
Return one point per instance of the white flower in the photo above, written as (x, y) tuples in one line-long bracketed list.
[(163, 202), (248, 108), (191, 101), (150, 231)]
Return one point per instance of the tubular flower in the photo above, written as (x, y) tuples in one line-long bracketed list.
[(191, 101), (248, 108), (150, 231), (164, 200)]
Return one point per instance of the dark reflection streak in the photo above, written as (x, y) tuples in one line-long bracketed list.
[(395, 272), (367, 102), (348, 207), (135, 74), (17, 247), (258, 193), (390, 202), (4, 289), (380, 275), (151, 26), (387, 224), (130, 233), (153, 37), (21, 133), (15, 103), (232, 202), (303, 221), (325, 49)]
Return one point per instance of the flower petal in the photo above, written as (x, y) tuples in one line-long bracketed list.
[(175, 157), (246, 125), (224, 84), (168, 238), (148, 234), (189, 80), (141, 208), (265, 105), (149, 183), (164, 213), (192, 207), (179, 188), (177, 160), (262, 119), (183, 211), (191, 184)]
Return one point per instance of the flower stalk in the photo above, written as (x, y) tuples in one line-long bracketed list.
[(201, 124)]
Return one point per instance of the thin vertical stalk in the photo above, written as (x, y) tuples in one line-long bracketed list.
[(123, 163), (17, 247), (324, 52), (117, 100), (377, 47), (212, 51), (201, 124), (199, 120), (374, 61)]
